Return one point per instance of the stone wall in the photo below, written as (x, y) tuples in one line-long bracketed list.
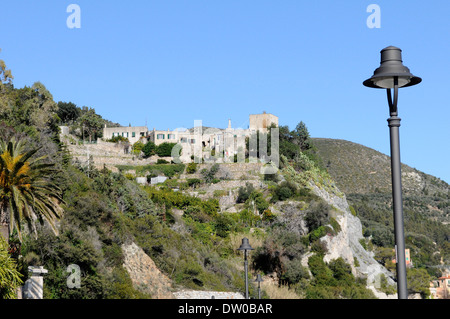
[(196, 294), (230, 171)]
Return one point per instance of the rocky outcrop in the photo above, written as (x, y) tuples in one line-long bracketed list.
[(346, 244), (144, 274)]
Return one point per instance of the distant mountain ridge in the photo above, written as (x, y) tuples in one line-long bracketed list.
[(362, 170)]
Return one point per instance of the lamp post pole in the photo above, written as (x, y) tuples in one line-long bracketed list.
[(259, 280), (392, 74), (397, 200), (246, 273)]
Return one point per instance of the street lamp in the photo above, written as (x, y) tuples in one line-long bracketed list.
[(392, 74), (259, 280), (245, 246)]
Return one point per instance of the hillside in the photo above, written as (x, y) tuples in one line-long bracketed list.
[(363, 174), (362, 170), (134, 241)]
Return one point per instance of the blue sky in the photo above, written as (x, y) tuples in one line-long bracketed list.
[(168, 63)]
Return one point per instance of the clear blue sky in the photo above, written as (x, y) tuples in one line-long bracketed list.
[(168, 63)]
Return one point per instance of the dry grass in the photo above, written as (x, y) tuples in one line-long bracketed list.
[(274, 292), (255, 239)]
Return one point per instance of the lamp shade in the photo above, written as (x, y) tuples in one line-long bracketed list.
[(391, 66), (245, 245), (258, 278)]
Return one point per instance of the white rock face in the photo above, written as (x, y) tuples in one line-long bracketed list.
[(346, 245)]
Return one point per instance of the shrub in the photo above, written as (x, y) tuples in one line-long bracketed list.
[(268, 216), (209, 175), (317, 214), (149, 149), (191, 168), (137, 147), (10, 277), (193, 182), (244, 192), (223, 224), (284, 191), (335, 225), (318, 233), (247, 217), (294, 271), (117, 139), (165, 149)]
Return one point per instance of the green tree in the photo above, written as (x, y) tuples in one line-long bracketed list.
[(165, 149), (31, 108), (149, 149), (68, 112), (26, 188), (90, 123), (5, 74), (10, 277), (301, 136), (43, 107), (418, 282), (287, 147)]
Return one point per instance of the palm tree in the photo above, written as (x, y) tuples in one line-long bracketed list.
[(26, 190)]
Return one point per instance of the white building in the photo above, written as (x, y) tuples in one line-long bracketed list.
[(219, 145)]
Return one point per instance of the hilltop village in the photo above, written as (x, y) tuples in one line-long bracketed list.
[(198, 139)]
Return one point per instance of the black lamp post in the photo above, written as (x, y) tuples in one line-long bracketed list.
[(245, 246), (392, 74), (259, 280)]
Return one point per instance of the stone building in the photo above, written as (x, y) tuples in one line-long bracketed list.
[(133, 133), (440, 288), (262, 121), (217, 144)]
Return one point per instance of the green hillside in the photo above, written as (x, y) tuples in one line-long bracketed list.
[(362, 170), (363, 174)]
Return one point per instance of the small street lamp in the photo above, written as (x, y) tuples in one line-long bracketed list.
[(259, 280), (392, 74), (245, 246)]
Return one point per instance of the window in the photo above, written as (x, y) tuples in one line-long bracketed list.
[(183, 140), (170, 136), (133, 134), (160, 136), (192, 141)]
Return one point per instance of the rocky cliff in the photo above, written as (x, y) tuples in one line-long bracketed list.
[(346, 244)]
